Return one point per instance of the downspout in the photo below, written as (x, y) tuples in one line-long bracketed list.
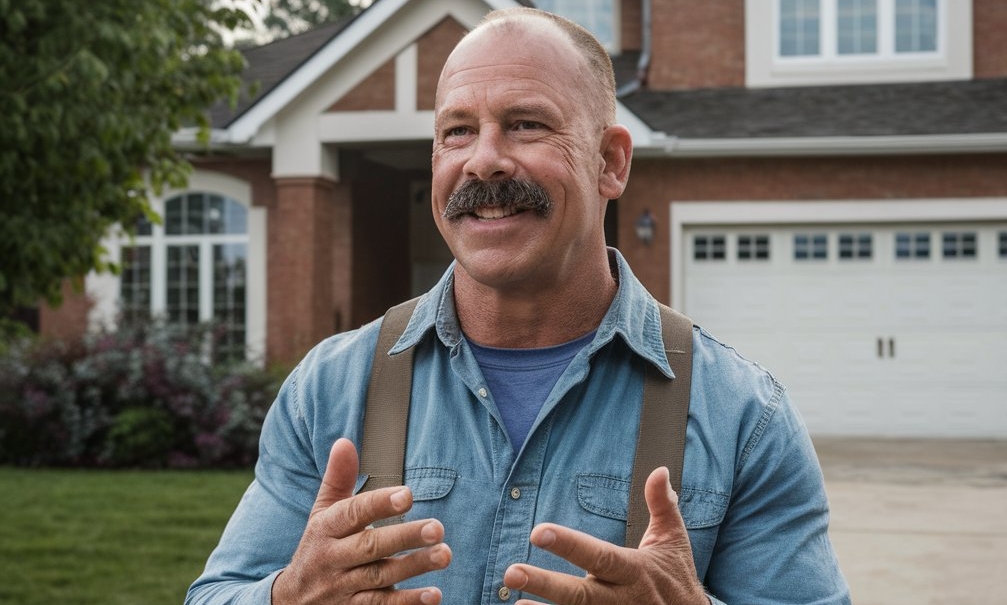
[(643, 65)]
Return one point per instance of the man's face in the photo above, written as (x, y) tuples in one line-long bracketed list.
[(513, 104)]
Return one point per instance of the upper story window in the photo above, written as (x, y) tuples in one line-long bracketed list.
[(600, 17), (814, 42)]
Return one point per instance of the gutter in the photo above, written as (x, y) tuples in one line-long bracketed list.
[(662, 145), (643, 64)]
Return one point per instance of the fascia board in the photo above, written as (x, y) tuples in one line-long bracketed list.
[(662, 145)]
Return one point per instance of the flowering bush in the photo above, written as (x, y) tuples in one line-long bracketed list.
[(147, 395)]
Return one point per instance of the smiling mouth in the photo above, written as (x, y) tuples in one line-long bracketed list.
[(492, 213)]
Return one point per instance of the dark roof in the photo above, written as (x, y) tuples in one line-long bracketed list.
[(958, 107), (270, 64)]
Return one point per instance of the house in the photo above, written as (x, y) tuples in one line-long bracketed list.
[(820, 183)]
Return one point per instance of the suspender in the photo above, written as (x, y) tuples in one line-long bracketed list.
[(663, 416)]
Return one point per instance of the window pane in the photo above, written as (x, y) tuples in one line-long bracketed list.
[(134, 284), (856, 246), (799, 27), (235, 217), (173, 216), (857, 27), (1003, 244), (960, 244), (915, 26), (194, 209), (183, 284), (912, 245), (811, 246), (753, 247), (229, 309), (596, 16)]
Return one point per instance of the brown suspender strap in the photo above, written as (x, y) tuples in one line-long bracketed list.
[(664, 413), (387, 411), (664, 416)]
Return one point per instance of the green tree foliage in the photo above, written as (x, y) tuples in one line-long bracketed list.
[(90, 95), (287, 17)]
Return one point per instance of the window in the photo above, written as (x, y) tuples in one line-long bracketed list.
[(811, 246), (709, 247), (825, 42), (753, 247), (959, 244), (1003, 244), (856, 246), (912, 245), (192, 270), (600, 17)]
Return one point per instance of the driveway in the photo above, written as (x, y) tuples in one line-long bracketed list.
[(919, 521)]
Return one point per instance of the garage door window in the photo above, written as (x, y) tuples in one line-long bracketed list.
[(753, 247), (959, 244), (912, 245), (856, 246), (811, 246), (709, 247), (1003, 244)]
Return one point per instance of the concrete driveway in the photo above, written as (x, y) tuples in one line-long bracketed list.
[(916, 522)]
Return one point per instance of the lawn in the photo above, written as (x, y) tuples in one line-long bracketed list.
[(78, 537)]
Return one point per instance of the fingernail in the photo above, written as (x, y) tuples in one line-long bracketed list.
[(400, 499), (430, 532), (516, 578), (547, 538), (430, 597), (439, 556)]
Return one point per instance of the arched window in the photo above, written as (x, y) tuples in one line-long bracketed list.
[(192, 269)]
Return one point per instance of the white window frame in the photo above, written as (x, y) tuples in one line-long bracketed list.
[(764, 66), (104, 290)]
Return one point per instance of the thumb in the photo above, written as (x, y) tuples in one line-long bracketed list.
[(340, 475), (666, 522)]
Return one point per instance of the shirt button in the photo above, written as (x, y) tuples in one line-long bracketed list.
[(515, 493), (503, 593), (482, 393)]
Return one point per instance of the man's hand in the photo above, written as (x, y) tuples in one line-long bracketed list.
[(661, 571), (342, 560)]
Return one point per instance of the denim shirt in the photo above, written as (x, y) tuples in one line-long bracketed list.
[(752, 495)]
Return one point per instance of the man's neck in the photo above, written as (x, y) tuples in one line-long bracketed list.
[(527, 318)]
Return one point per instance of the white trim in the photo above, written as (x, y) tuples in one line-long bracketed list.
[(660, 144), (406, 66), (684, 215)]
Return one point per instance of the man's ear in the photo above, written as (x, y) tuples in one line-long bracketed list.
[(616, 156)]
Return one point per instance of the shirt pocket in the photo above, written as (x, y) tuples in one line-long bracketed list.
[(430, 483), (603, 495), (702, 511)]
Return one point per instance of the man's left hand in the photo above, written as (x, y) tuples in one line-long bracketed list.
[(660, 571)]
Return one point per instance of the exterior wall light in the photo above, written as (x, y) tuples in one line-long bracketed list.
[(645, 226)]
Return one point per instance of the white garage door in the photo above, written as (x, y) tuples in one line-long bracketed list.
[(895, 330)]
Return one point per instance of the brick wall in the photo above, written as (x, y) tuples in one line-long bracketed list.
[(375, 93), (697, 44), (69, 320), (629, 24), (433, 49), (654, 183), (988, 38)]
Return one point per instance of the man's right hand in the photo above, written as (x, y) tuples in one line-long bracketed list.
[(341, 559)]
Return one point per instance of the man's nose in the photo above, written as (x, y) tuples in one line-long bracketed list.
[(490, 159)]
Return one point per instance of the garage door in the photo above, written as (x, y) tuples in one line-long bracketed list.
[(894, 330)]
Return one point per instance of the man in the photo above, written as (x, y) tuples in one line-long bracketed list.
[(528, 372)]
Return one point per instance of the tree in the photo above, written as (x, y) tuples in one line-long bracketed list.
[(287, 17), (90, 95)]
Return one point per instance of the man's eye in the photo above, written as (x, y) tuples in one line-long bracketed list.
[(457, 131), (527, 125)]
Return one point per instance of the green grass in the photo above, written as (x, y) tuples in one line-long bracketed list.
[(77, 537)]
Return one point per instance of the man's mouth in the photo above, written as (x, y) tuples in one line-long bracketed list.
[(489, 213)]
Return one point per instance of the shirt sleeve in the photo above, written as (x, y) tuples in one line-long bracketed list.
[(773, 546), (267, 524)]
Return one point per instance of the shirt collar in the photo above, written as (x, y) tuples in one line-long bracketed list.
[(634, 316)]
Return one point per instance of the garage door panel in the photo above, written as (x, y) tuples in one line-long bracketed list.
[(878, 345)]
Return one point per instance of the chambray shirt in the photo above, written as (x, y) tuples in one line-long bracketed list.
[(752, 492)]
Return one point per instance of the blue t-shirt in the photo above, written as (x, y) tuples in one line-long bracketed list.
[(520, 380)]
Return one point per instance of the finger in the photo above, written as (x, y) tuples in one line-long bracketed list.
[(665, 517), (354, 514), (607, 561), (551, 585), (340, 475), (386, 573), (378, 543), (413, 596)]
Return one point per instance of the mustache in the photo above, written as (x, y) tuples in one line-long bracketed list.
[(475, 194)]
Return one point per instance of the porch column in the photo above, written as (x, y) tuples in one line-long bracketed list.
[(309, 252)]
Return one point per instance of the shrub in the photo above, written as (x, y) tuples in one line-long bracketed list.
[(147, 395)]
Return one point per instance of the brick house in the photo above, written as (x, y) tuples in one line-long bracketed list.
[(824, 183)]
